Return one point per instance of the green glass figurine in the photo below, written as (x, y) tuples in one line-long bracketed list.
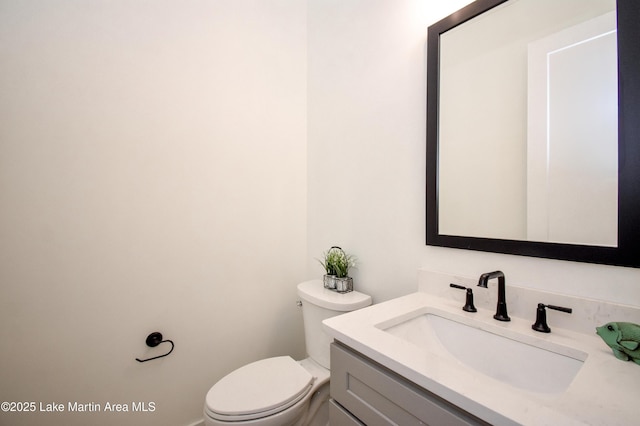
[(623, 338)]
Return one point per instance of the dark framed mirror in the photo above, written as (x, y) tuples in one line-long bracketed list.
[(491, 75)]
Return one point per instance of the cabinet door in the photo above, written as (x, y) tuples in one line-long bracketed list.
[(377, 396)]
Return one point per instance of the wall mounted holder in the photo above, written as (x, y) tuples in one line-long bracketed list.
[(153, 340)]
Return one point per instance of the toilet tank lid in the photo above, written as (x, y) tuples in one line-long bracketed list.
[(314, 292)]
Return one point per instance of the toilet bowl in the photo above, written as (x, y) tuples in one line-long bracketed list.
[(280, 391), (273, 391)]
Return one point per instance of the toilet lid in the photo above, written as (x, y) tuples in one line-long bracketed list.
[(259, 389)]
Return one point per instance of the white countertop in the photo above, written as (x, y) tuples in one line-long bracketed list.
[(606, 391)]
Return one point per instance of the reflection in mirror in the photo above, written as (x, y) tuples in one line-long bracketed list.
[(528, 148), (572, 138), (523, 89)]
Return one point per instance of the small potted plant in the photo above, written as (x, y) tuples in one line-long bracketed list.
[(336, 264)]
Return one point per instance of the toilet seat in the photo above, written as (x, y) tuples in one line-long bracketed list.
[(259, 389)]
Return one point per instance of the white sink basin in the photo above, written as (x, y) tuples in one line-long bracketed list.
[(512, 358)]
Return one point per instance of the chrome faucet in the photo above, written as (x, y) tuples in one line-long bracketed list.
[(501, 308)]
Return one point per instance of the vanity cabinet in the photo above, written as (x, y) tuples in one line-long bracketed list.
[(365, 393)]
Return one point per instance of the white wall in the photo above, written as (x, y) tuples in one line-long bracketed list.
[(367, 157), (152, 177), (166, 166)]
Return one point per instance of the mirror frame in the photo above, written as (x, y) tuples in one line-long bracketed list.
[(627, 253)]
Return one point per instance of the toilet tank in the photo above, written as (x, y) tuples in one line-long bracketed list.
[(318, 304)]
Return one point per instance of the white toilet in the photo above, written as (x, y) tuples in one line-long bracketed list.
[(280, 391)]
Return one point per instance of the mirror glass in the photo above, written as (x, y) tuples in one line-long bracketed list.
[(527, 132), (522, 88)]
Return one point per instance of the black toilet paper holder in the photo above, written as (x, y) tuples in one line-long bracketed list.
[(153, 340)]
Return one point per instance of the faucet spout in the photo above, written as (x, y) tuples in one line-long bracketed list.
[(501, 308)]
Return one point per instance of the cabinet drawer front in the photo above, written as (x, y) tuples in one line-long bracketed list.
[(378, 396), (338, 416)]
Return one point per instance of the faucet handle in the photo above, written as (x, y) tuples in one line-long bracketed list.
[(559, 308), (468, 306), (541, 317)]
